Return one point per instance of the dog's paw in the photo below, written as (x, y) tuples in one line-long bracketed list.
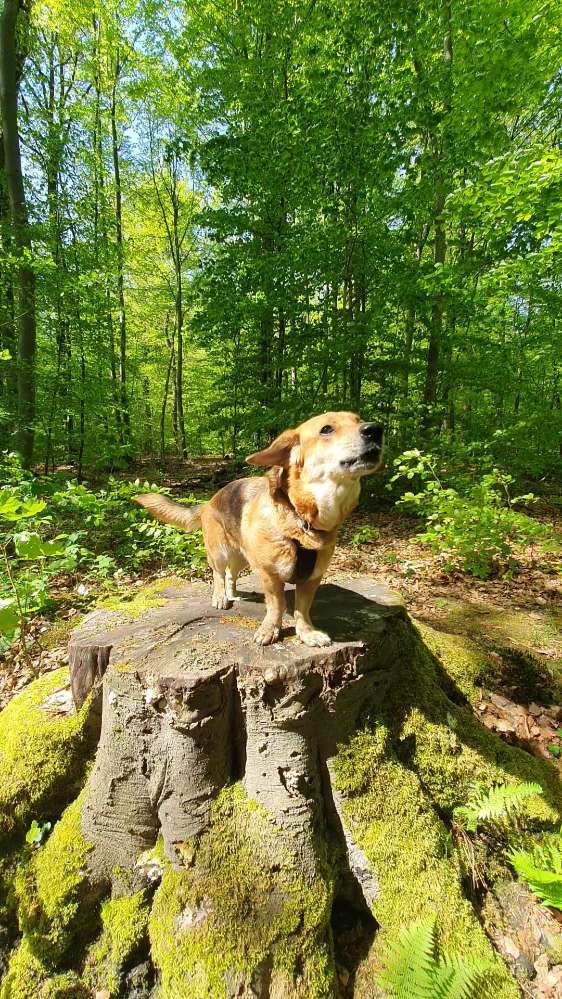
[(266, 634), (221, 601), (315, 638)]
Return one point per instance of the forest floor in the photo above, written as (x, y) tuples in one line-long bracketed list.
[(516, 621)]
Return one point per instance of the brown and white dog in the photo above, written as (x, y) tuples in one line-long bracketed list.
[(283, 524)]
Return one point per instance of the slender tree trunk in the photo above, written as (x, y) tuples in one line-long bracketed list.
[(13, 21), (282, 327), (170, 343), (82, 417), (63, 385), (124, 403), (179, 328), (8, 336), (104, 316), (440, 154)]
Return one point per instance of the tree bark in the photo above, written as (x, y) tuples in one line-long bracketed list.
[(162, 425), (441, 171), (8, 336), (12, 56), (123, 399), (189, 705), (205, 703)]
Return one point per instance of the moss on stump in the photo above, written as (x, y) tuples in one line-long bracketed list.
[(336, 793), (43, 755), (242, 912)]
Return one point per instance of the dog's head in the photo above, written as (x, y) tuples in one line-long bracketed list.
[(329, 446)]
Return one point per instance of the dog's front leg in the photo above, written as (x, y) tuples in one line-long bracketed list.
[(305, 629), (269, 629)]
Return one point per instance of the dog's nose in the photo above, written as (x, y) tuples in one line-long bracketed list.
[(372, 432)]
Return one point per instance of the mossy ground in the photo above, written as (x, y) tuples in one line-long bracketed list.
[(516, 636), (527, 630), (239, 909), (28, 978), (43, 757)]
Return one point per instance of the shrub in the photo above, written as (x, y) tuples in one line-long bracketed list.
[(477, 530), (51, 528)]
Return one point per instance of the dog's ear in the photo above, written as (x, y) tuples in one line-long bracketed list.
[(279, 452)]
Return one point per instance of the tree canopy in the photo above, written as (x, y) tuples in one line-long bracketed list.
[(236, 214)]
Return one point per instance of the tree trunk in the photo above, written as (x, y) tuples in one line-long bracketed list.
[(123, 400), (441, 167), (12, 55), (8, 336), (170, 345)]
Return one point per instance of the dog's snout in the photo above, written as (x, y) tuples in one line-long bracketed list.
[(372, 432)]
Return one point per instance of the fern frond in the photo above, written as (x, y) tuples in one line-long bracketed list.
[(541, 868), (410, 962), (458, 979), (495, 803), (413, 970)]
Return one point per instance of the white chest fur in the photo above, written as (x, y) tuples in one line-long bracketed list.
[(335, 500)]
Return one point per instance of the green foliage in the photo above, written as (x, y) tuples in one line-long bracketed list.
[(37, 832), (414, 970), (73, 531), (363, 535), (541, 868), (313, 199), (494, 804), (474, 527)]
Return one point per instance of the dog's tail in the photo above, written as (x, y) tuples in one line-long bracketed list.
[(188, 518)]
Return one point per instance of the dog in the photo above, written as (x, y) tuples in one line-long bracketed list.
[(284, 524)]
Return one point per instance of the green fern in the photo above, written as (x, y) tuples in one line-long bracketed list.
[(541, 868), (493, 804), (413, 969)]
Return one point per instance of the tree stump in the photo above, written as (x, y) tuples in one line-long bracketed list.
[(191, 704), (190, 709), (254, 809)]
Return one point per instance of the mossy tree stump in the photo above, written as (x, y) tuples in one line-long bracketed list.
[(191, 705), (261, 822)]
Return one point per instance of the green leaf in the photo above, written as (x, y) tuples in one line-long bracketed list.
[(541, 868), (9, 617), (413, 969), (30, 546), (37, 832)]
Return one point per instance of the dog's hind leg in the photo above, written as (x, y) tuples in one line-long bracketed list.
[(218, 552), (230, 584), (236, 562), (220, 598)]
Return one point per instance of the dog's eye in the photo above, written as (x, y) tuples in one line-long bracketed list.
[(327, 430)]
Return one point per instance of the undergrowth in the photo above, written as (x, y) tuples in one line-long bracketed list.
[(53, 529)]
